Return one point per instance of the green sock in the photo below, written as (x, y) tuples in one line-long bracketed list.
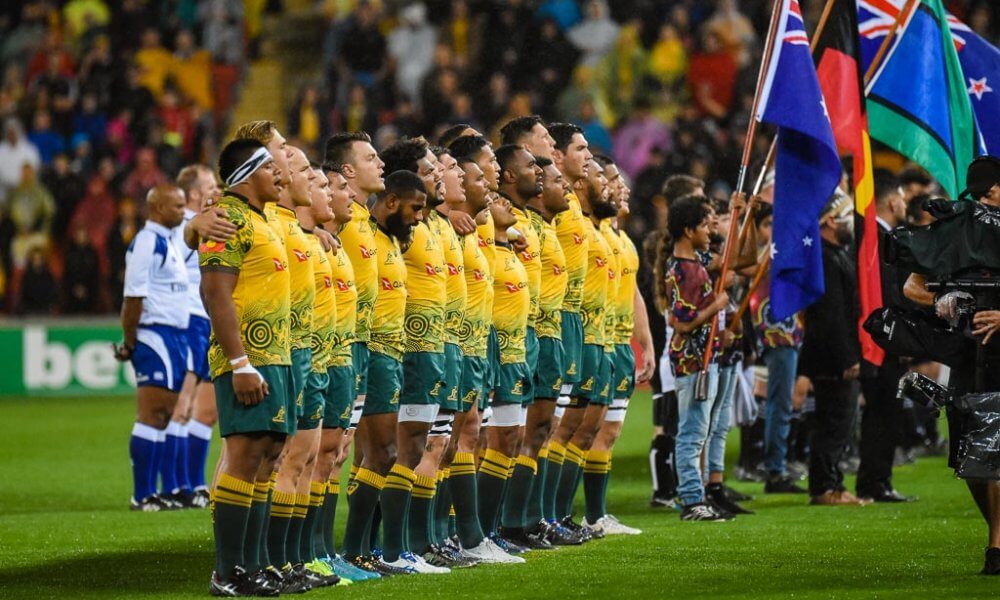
[(604, 489), (533, 513), (254, 558), (595, 473), (568, 481), (464, 496), (282, 510), (550, 485), (521, 482), (493, 470), (232, 499), (324, 539), (442, 507), (419, 526), (395, 501), (362, 497), (307, 550), (293, 542)]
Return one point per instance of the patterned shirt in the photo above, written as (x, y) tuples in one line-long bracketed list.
[(454, 307), (299, 250), (263, 286), (614, 282), (511, 304), (325, 308), (358, 239), (689, 291), (426, 291), (531, 258), (599, 273), (553, 279), (479, 294), (569, 226), (387, 334), (346, 294), (624, 305), (772, 333)]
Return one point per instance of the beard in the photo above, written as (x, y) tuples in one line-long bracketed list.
[(603, 209), (845, 234), (398, 229)]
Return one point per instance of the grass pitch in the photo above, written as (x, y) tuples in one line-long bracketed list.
[(66, 532)]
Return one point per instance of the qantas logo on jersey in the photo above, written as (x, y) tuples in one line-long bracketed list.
[(279, 265), (390, 285), (512, 287), (342, 285), (300, 255), (482, 242), (430, 269), (557, 270), (529, 256), (365, 252), (453, 270), (478, 274), (211, 247), (327, 282)]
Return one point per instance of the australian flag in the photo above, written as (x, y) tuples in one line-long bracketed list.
[(980, 62), (807, 166)]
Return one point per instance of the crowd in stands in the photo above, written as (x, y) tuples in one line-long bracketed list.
[(100, 100)]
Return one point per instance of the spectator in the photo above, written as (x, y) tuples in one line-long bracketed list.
[(222, 29), (145, 176), (411, 46), (154, 62), (20, 44), (178, 127), (59, 85), (84, 15), (307, 121), (31, 209), (596, 133), (67, 189), (15, 151), (668, 57), (89, 121), (596, 35), (119, 136), (38, 293), (120, 237), (48, 142), (460, 33), (95, 214), (553, 59), (99, 72), (363, 47), (564, 13), (712, 77), (734, 30), (191, 69), (637, 137), (82, 278)]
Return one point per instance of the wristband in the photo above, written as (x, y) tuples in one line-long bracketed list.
[(239, 360), (248, 369)]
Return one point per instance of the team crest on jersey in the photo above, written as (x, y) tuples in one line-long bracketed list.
[(300, 255), (470, 397), (453, 270), (327, 282), (588, 385), (606, 389), (453, 396), (623, 386), (437, 388), (518, 388), (280, 416), (352, 487), (365, 252), (572, 369), (347, 412), (395, 398), (558, 384), (279, 265), (390, 258), (298, 400), (210, 246), (318, 415)]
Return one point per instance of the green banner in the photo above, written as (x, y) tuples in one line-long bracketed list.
[(74, 358)]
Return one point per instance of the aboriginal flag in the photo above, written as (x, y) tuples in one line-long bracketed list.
[(838, 65)]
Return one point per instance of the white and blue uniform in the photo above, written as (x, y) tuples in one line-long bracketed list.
[(199, 327), (155, 272)]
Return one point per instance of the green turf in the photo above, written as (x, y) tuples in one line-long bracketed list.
[(66, 532)]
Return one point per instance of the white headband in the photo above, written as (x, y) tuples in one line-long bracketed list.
[(257, 160)]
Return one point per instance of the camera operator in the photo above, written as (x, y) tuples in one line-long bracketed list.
[(983, 182)]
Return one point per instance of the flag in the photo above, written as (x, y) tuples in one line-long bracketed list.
[(807, 167), (918, 103), (838, 66), (980, 62)]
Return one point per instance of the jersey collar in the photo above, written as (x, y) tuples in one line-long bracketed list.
[(158, 229), (246, 201)]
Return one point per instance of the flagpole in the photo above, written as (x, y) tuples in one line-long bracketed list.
[(744, 227), (884, 48), (758, 278), (701, 385)]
